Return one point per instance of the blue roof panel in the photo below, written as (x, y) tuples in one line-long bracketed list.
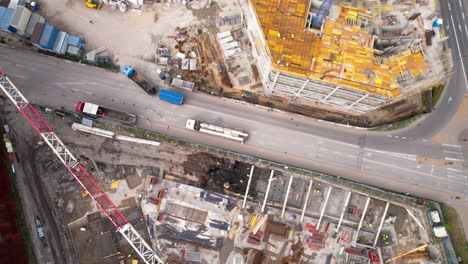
[(6, 15), (49, 34)]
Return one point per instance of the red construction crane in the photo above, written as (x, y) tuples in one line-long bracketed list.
[(76, 169)]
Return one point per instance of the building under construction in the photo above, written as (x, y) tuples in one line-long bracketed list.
[(352, 56)]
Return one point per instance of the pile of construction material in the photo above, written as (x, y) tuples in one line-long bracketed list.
[(228, 44), (121, 4)]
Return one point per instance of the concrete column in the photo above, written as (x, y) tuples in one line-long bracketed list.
[(381, 224), (274, 81), (306, 200), (360, 222), (358, 100), (287, 195), (302, 88), (324, 207), (268, 190), (248, 186), (343, 211), (330, 94)]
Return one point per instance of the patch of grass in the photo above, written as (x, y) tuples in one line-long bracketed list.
[(423, 102), (454, 227), (109, 65), (65, 56), (436, 93), (397, 125)]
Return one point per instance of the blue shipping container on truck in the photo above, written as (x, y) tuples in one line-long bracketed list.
[(48, 37), (6, 15), (171, 97)]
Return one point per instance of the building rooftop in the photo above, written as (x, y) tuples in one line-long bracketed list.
[(341, 54)]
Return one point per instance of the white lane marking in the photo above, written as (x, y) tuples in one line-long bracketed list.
[(432, 169), (396, 154), (459, 53), (450, 169), (403, 137), (452, 159), (17, 75), (459, 27), (20, 65), (389, 136), (459, 2), (463, 15), (449, 100), (456, 177), (75, 90), (450, 145), (449, 6), (452, 152), (90, 93), (405, 169)]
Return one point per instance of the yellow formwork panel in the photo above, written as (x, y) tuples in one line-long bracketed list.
[(342, 49)]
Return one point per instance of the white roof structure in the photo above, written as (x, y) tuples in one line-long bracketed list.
[(439, 231), (21, 18), (435, 217), (90, 108), (224, 34)]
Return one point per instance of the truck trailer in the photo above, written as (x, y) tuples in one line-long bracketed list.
[(171, 97), (139, 79), (211, 129), (96, 111)]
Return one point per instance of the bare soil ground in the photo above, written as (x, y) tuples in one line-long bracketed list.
[(133, 33)]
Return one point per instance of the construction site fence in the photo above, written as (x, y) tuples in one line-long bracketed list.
[(358, 187)]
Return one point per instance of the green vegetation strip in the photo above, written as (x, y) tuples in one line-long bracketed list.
[(454, 227), (397, 125), (436, 93), (106, 65)]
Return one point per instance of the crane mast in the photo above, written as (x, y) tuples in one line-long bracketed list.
[(145, 251)]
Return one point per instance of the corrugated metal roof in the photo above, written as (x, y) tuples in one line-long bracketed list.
[(20, 18), (36, 35), (60, 41), (75, 41), (33, 20)]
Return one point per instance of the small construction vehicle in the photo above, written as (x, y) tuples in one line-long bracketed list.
[(93, 4)]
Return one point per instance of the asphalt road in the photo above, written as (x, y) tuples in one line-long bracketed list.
[(292, 139)]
